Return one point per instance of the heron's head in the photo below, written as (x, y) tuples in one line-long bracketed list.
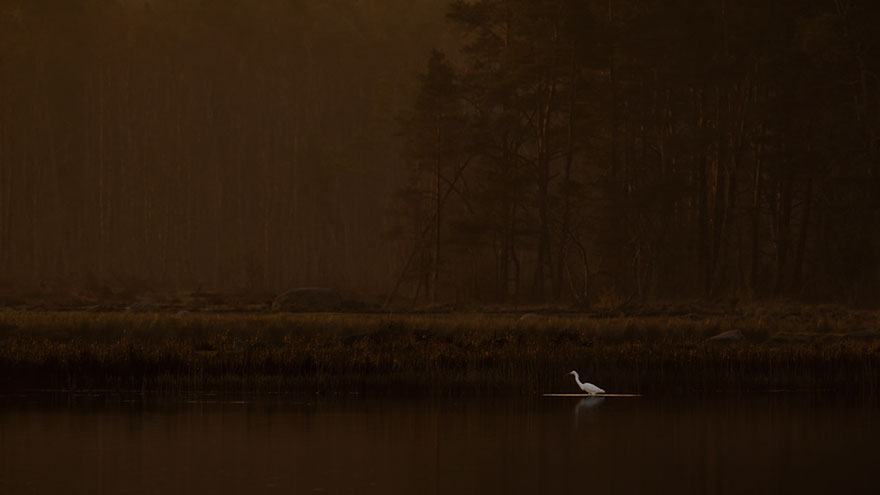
[(572, 372)]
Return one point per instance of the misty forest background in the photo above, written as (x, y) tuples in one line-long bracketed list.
[(436, 152)]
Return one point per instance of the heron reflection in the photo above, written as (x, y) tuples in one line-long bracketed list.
[(585, 405)]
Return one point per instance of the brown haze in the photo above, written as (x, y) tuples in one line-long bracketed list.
[(569, 151)]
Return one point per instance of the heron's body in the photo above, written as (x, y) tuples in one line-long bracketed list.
[(586, 387)]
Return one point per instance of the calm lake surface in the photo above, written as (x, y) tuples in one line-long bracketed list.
[(756, 443)]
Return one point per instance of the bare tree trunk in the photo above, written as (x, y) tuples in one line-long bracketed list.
[(702, 200), (782, 219), (802, 238), (756, 223), (542, 258), (612, 76), (584, 296), (729, 224), (5, 183), (543, 163), (503, 268), (514, 259), (566, 187), (718, 191)]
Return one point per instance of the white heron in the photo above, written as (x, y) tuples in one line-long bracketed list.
[(586, 387)]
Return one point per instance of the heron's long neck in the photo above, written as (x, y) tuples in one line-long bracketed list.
[(577, 378)]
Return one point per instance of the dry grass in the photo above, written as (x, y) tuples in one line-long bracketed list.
[(440, 354)]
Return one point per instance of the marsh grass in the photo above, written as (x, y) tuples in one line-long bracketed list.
[(435, 354)]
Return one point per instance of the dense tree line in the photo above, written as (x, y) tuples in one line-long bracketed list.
[(177, 144), (551, 150), (582, 150)]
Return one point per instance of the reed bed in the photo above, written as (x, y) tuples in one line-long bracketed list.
[(434, 354)]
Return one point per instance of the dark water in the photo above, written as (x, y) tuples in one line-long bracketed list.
[(761, 443)]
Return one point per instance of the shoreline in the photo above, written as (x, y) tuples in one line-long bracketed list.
[(427, 355)]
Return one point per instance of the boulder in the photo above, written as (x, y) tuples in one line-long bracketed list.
[(730, 335), (308, 300), (529, 319), (143, 307), (793, 337), (864, 335)]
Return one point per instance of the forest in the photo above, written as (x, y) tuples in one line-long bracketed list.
[(430, 153)]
